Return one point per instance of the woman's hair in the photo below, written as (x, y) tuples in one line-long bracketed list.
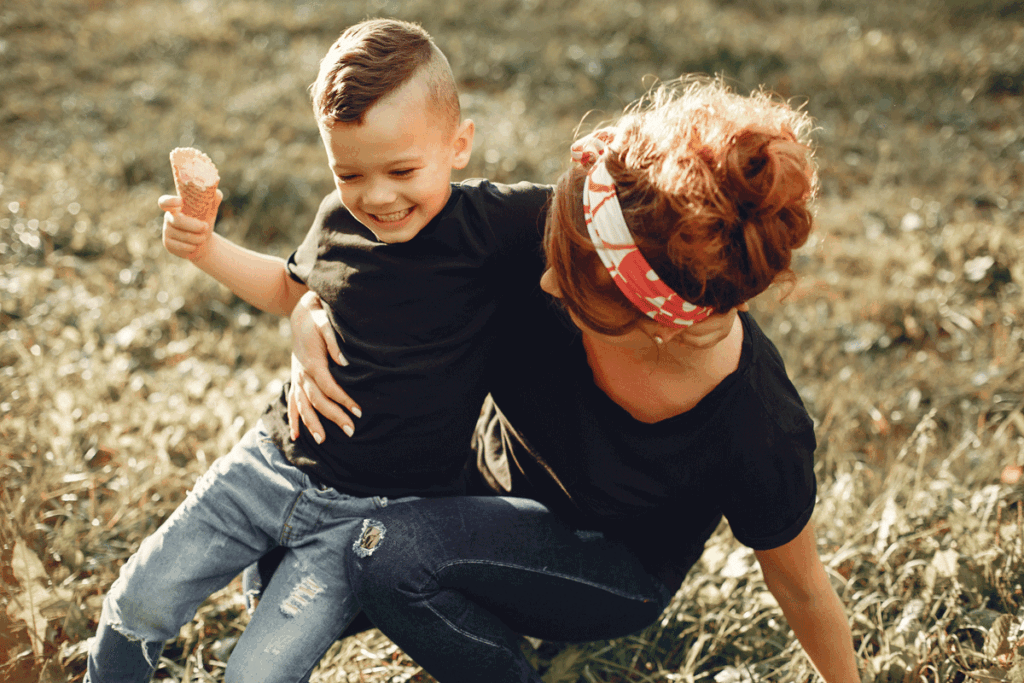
[(715, 189)]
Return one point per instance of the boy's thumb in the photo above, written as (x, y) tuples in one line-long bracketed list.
[(169, 202)]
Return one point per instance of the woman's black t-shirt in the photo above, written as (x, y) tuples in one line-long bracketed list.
[(746, 451)]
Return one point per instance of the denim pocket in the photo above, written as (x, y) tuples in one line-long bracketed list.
[(276, 460)]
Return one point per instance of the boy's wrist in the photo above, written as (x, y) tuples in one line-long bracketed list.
[(208, 252)]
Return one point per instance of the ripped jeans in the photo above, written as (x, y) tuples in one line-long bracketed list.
[(455, 582), (251, 501)]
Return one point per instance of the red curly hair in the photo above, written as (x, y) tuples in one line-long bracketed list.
[(715, 188)]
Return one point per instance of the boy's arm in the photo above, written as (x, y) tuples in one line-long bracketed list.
[(797, 579), (259, 279)]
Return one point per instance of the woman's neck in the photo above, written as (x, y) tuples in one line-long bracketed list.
[(655, 382)]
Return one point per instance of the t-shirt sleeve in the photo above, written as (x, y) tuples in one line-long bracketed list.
[(300, 263), (770, 489), (514, 215), (523, 233)]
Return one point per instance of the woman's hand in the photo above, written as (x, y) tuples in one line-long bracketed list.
[(313, 388)]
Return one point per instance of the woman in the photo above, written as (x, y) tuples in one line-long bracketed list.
[(626, 436)]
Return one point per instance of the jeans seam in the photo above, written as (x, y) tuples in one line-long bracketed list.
[(286, 528), (567, 577), (464, 632)]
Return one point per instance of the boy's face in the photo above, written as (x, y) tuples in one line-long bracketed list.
[(393, 171)]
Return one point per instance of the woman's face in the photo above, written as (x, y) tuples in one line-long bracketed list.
[(701, 335)]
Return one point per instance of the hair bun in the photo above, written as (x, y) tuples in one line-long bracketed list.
[(767, 172)]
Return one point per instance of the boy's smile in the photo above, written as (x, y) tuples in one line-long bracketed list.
[(393, 171)]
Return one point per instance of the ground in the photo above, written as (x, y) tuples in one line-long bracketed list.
[(125, 371)]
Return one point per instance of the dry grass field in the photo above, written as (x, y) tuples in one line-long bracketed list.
[(124, 371)]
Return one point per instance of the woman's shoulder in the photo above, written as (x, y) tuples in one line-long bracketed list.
[(768, 383)]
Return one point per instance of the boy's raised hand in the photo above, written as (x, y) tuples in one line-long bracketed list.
[(184, 236)]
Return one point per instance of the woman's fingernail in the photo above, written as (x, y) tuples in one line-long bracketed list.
[(318, 437), (348, 430), (341, 360), (356, 411)]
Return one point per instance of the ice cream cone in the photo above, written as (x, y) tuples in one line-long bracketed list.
[(195, 179)]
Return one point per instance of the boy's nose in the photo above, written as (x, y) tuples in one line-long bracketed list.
[(379, 194)]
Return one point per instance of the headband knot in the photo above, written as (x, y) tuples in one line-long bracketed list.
[(590, 148)]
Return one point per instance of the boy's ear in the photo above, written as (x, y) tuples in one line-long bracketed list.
[(462, 144)]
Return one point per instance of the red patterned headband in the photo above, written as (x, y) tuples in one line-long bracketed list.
[(617, 249)]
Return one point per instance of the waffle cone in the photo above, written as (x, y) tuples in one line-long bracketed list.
[(196, 180)]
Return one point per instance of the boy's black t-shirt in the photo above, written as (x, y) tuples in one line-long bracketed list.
[(416, 323), (745, 451)]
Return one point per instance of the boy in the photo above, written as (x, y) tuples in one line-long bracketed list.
[(409, 267)]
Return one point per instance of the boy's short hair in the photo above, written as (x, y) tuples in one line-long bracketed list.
[(373, 59)]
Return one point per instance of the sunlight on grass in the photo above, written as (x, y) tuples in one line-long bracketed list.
[(124, 373)]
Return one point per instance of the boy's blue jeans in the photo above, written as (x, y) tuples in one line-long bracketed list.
[(455, 581), (250, 501)]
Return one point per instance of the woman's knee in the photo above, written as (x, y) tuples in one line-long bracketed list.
[(402, 548), (387, 553), (407, 545)]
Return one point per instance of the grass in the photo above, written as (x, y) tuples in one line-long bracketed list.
[(124, 372)]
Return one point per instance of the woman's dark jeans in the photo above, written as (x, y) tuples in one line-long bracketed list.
[(455, 581)]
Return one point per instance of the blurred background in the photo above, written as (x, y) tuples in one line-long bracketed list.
[(124, 371)]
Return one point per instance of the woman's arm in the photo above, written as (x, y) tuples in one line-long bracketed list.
[(797, 579), (313, 388)]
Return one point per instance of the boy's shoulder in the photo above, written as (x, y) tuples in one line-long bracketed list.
[(480, 216), (331, 208), (481, 193), (523, 190), (515, 201), (490, 186), (507, 212)]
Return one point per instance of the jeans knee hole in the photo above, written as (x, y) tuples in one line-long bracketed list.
[(369, 539), (151, 649)]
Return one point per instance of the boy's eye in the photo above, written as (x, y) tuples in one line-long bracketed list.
[(401, 173), (346, 178)]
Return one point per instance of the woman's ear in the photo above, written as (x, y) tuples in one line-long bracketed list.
[(549, 285), (462, 144)]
